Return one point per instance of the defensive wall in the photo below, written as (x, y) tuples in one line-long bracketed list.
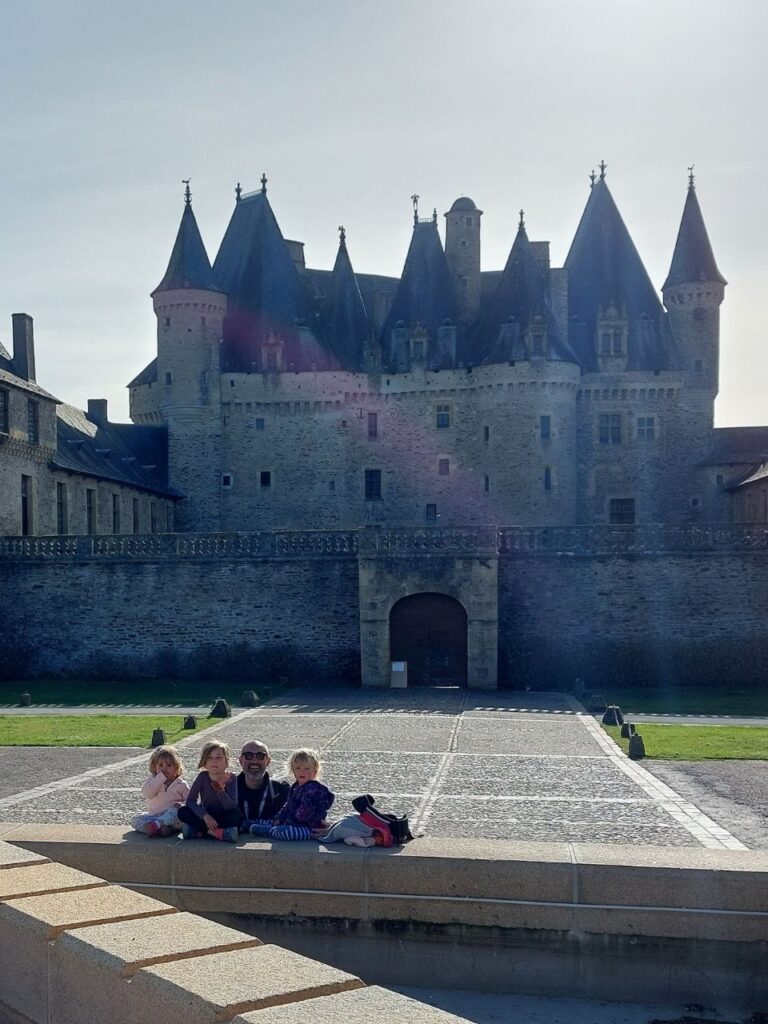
[(544, 605), (76, 949), (606, 922)]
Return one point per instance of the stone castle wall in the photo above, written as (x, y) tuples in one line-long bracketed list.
[(604, 604)]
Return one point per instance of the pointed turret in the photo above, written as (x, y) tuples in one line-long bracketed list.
[(343, 317), (189, 266), (693, 260), (519, 322), (693, 292), (420, 326), (271, 321), (605, 272)]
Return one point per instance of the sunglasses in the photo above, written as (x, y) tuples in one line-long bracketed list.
[(251, 755)]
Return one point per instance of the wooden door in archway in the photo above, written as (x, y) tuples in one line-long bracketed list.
[(429, 631)]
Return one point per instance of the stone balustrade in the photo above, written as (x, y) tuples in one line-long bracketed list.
[(585, 541)]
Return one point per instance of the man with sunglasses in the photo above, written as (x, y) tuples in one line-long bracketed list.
[(258, 796)]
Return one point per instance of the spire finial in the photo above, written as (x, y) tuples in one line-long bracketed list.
[(238, 192), (187, 193), (434, 215), (415, 201), (691, 178), (521, 225), (342, 235), (263, 184), (592, 178), (602, 165)]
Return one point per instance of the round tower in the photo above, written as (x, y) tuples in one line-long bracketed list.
[(693, 292), (462, 250), (190, 310)]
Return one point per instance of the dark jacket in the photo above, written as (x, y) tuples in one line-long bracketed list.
[(262, 803), (306, 805)]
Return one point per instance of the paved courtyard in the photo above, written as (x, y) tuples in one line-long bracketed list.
[(504, 765)]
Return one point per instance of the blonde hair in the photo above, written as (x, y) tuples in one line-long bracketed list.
[(208, 749), (166, 753), (304, 756)]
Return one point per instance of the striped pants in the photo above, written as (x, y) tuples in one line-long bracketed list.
[(288, 833)]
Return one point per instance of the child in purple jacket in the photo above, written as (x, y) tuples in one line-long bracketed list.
[(307, 804)]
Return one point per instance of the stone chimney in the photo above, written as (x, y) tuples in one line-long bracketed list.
[(23, 346), (296, 249), (97, 411)]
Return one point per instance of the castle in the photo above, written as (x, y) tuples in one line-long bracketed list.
[(284, 398)]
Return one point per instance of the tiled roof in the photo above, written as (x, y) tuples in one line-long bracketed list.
[(737, 446), (147, 376), (343, 317), (693, 259), (122, 452), (189, 266), (7, 376), (519, 297), (604, 270)]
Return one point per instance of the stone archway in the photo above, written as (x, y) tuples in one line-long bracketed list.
[(429, 632)]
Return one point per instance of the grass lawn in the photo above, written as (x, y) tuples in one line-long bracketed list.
[(688, 701), (699, 742), (153, 692), (90, 730)]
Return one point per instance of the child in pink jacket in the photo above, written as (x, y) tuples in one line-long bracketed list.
[(164, 791)]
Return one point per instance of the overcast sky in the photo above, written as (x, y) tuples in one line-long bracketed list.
[(350, 106)]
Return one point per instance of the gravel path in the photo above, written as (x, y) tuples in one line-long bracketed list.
[(734, 793)]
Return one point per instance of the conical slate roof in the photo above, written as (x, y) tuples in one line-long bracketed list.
[(189, 266), (424, 293), (693, 259), (604, 270), (343, 317), (266, 296), (520, 296)]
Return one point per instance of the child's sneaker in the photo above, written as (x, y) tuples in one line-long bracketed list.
[(227, 835), (188, 832), (167, 830), (151, 828)]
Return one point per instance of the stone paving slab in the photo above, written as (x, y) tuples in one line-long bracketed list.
[(509, 766)]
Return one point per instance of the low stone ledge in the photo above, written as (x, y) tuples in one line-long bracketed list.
[(678, 893), (364, 1004)]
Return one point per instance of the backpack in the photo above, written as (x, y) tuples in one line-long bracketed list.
[(393, 828)]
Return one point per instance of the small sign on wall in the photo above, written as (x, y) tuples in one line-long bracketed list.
[(399, 675)]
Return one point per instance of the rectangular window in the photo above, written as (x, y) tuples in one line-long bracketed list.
[(271, 360), (265, 478), (545, 427), (487, 483), (547, 478), (62, 526), (418, 350), (136, 519), (610, 428), (431, 513), (90, 510), (621, 511), (153, 517), (33, 421), (443, 467), (167, 376), (442, 416), (169, 518), (373, 424), (486, 434), (226, 481), (259, 423), (5, 411), (115, 513), (646, 428), (373, 485), (27, 527)]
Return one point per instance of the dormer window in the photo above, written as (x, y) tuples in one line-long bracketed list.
[(272, 355), (537, 338), (418, 341), (611, 334)]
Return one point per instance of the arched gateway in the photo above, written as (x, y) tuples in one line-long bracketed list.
[(429, 632)]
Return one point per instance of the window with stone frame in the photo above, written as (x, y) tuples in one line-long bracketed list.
[(90, 510), (443, 466), (5, 411), (33, 421), (545, 428), (442, 415), (547, 478), (430, 513), (265, 479), (621, 511), (646, 428), (27, 511), (373, 485), (609, 428), (373, 425), (62, 511)]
